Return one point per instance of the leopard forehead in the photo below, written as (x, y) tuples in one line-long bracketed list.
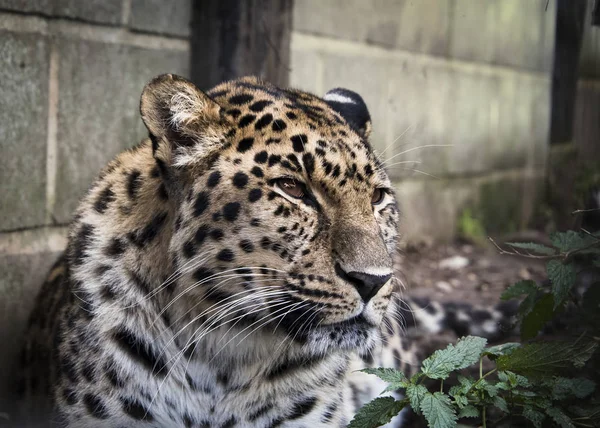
[(299, 134)]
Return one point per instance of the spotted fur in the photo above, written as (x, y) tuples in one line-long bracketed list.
[(195, 292)]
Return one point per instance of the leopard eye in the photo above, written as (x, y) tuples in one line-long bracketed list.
[(377, 197), (291, 187)]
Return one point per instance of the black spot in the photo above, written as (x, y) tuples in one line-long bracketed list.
[(114, 378), (260, 105), (261, 157), (82, 242), (139, 350), (202, 274), (246, 120), (104, 198), (302, 408), (144, 236), (265, 243), (200, 235), (95, 406), (273, 159), (229, 423), (116, 247), (136, 410), (240, 99), (254, 195), (70, 396), (278, 125), (259, 412), (298, 142), (217, 234), (240, 180), (245, 145), (309, 164), (189, 249), (213, 179), (225, 255), (162, 192), (231, 211), (247, 246), (263, 121), (88, 372), (255, 222), (133, 183), (291, 115), (257, 172), (201, 203), (234, 113)]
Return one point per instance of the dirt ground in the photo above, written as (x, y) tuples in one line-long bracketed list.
[(464, 272)]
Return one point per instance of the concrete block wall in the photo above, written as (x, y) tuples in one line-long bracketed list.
[(475, 75), (71, 74)]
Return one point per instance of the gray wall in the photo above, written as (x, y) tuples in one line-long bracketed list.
[(71, 73), (468, 73)]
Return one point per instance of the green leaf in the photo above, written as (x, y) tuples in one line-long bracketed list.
[(560, 418), (469, 411), (571, 240), (395, 378), (518, 289), (527, 304), (460, 400), (500, 403), (534, 416), (562, 277), (376, 413), (544, 358), (438, 411), (532, 246), (415, 394), (466, 352), (564, 387), (504, 349), (540, 314)]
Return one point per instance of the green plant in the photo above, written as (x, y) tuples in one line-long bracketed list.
[(470, 227), (542, 382)]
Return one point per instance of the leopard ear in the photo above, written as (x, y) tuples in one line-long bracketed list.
[(352, 108), (175, 111)]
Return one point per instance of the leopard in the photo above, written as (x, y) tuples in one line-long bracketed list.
[(234, 269)]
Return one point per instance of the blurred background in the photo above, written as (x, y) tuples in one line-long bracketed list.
[(487, 113)]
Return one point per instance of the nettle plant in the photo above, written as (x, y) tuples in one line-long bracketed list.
[(539, 383)]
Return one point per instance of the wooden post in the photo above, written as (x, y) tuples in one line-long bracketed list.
[(233, 38)]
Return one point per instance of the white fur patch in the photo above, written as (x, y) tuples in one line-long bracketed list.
[(338, 98)]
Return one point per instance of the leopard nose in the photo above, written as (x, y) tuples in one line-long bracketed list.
[(366, 284)]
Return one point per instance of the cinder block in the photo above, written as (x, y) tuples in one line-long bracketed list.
[(424, 26), (431, 208), (102, 11), (22, 276), (39, 6), (490, 120), (156, 16), (305, 70), (355, 20), (513, 33), (98, 115), (24, 107)]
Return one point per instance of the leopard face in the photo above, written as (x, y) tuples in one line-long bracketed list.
[(285, 219)]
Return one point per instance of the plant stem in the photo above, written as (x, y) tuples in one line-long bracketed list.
[(483, 417)]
